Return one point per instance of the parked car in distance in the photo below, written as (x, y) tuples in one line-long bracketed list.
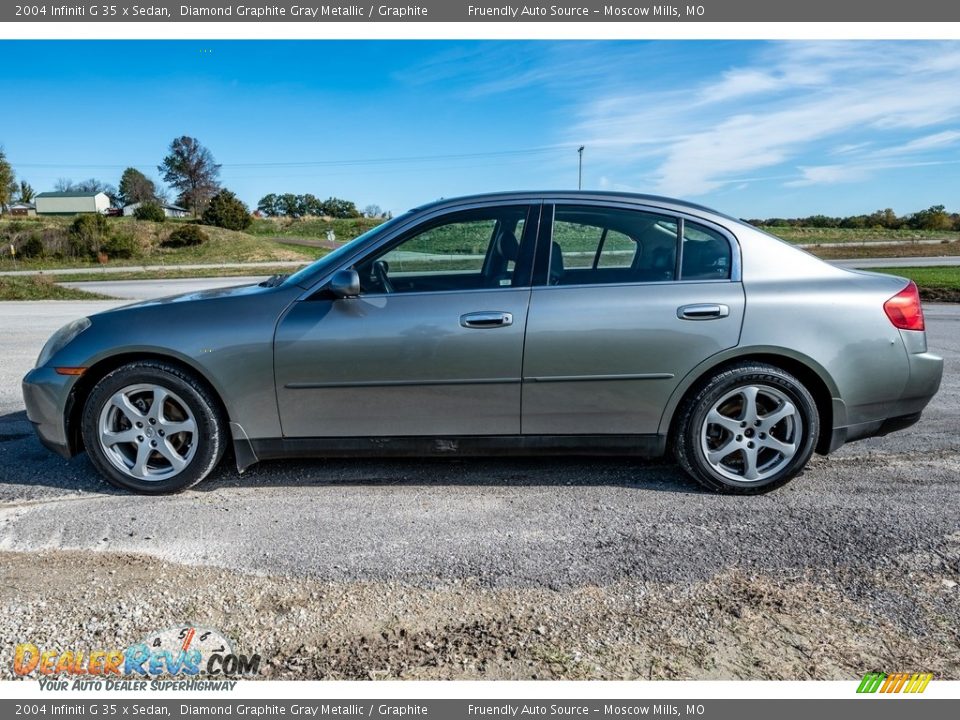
[(513, 323)]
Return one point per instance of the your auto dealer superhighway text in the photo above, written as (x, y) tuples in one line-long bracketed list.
[(304, 11)]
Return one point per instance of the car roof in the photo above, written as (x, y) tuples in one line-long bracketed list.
[(547, 195)]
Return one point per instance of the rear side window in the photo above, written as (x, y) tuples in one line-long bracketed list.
[(706, 254), (595, 245)]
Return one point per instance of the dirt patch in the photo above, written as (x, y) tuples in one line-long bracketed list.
[(873, 250), (737, 625), (941, 295)]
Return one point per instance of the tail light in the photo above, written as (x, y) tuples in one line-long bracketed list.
[(904, 308)]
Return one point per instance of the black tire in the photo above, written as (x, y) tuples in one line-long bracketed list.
[(210, 436), (691, 416)]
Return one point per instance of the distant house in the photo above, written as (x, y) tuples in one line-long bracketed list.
[(22, 210), (71, 203), (173, 211)]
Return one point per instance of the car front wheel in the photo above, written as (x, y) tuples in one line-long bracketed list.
[(152, 427), (749, 429)]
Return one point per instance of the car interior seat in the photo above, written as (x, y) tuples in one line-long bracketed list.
[(556, 265)]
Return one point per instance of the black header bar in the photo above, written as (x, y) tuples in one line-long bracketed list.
[(898, 11)]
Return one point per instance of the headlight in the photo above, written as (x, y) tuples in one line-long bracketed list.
[(61, 338)]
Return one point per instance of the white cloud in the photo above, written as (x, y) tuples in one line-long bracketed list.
[(935, 141), (737, 84), (829, 175), (780, 109)]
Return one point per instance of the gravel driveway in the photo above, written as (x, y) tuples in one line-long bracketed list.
[(500, 568)]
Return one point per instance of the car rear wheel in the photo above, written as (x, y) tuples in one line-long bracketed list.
[(747, 430), (152, 427)]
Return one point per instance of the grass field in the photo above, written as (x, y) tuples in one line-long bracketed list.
[(808, 235), (936, 284), (173, 273), (38, 287), (903, 250), (312, 228), (222, 246)]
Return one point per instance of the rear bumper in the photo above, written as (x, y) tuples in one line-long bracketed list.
[(47, 397), (926, 372)]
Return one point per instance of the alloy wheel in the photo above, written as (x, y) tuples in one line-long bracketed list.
[(751, 433), (147, 432)]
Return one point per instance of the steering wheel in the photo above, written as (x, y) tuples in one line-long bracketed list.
[(380, 270)]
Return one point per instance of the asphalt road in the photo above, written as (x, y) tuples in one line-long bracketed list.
[(527, 522), (148, 289), (868, 263), (110, 269)]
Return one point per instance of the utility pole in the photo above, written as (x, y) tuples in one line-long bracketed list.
[(580, 168)]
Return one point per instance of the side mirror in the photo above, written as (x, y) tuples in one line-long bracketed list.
[(345, 283)]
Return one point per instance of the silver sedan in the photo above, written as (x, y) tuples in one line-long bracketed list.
[(554, 322)]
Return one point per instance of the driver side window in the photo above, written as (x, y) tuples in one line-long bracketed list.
[(464, 251)]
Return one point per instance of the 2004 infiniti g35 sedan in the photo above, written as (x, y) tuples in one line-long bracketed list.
[(556, 322)]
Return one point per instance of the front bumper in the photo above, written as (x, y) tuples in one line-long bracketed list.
[(48, 398)]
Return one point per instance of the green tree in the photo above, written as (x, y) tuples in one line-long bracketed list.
[(8, 181), (191, 169), (26, 192), (150, 211), (135, 187), (886, 218), (290, 205), (227, 211), (185, 236), (87, 233), (310, 205), (337, 208), (933, 218), (269, 205)]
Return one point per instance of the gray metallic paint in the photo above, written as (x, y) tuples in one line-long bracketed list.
[(617, 330), (400, 364), (353, 367)]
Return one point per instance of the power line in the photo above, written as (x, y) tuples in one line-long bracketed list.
[(320, 163)]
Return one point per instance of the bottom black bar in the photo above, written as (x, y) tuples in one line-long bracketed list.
[(874, 707)]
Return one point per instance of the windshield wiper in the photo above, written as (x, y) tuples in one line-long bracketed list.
[(274, 280)]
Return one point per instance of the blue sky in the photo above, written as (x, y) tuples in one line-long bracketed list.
[(752, 128)]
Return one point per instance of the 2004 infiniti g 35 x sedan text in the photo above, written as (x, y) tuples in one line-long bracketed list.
[(561, 322)]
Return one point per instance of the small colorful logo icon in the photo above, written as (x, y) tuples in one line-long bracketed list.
[(895, 683), (183, 650)]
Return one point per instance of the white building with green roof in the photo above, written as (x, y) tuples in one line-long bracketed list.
[(71, 203)]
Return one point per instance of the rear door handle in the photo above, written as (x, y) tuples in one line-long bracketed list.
[(486, 319), (703, 311)]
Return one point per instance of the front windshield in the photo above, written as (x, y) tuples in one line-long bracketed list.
[(305, 276)]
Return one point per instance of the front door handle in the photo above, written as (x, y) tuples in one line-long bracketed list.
[(703, 311), (486, 319)]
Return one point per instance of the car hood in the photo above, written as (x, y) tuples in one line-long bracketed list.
[(198, 296)]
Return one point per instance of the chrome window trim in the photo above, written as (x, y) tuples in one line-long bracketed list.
[(419, 293)]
